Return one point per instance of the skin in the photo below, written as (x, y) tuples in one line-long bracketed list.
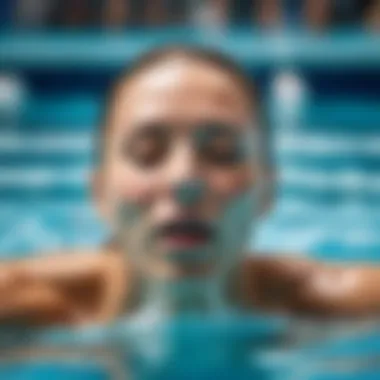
[(183, 97), (88, 287)]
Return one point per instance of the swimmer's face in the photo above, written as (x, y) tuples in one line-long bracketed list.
[(180, 168)]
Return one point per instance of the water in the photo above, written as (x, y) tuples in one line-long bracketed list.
[(234, 347)]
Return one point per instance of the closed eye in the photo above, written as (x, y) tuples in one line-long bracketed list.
[(221, 145), (148, 146)]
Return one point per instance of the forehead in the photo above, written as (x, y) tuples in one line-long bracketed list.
[(181, 91)]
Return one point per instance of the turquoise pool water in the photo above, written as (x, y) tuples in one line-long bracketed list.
[(245, 348)]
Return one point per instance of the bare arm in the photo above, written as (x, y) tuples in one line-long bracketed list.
[(58, 268), (302, 286), (50, 289)]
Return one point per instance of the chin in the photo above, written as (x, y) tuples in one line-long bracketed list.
[(194, 271), (177, 271)]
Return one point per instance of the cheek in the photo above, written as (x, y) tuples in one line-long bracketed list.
[(132, 185), (228, 184)]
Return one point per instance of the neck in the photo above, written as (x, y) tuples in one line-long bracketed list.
[(183, 296)]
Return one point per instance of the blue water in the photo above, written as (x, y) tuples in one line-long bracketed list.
[(238, 348), (319, 212), (42, 370)]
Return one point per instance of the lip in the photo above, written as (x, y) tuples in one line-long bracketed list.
[(185, 234), (183, 242)]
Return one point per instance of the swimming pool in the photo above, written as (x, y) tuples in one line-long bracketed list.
[(246, 348)]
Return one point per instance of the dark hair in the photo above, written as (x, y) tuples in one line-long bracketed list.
[(193, 53)]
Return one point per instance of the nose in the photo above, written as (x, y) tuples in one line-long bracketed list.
[(186, 181), (189, 193)]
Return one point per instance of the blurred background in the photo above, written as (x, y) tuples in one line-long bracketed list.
[(317, 63)]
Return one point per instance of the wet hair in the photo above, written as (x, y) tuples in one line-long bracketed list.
[(187, 53)]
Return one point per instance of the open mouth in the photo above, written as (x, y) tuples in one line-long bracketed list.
[(186, 233)]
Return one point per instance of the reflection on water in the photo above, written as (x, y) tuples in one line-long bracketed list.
[(238, 347)]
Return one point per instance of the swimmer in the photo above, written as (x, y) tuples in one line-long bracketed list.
[(181, 178)]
